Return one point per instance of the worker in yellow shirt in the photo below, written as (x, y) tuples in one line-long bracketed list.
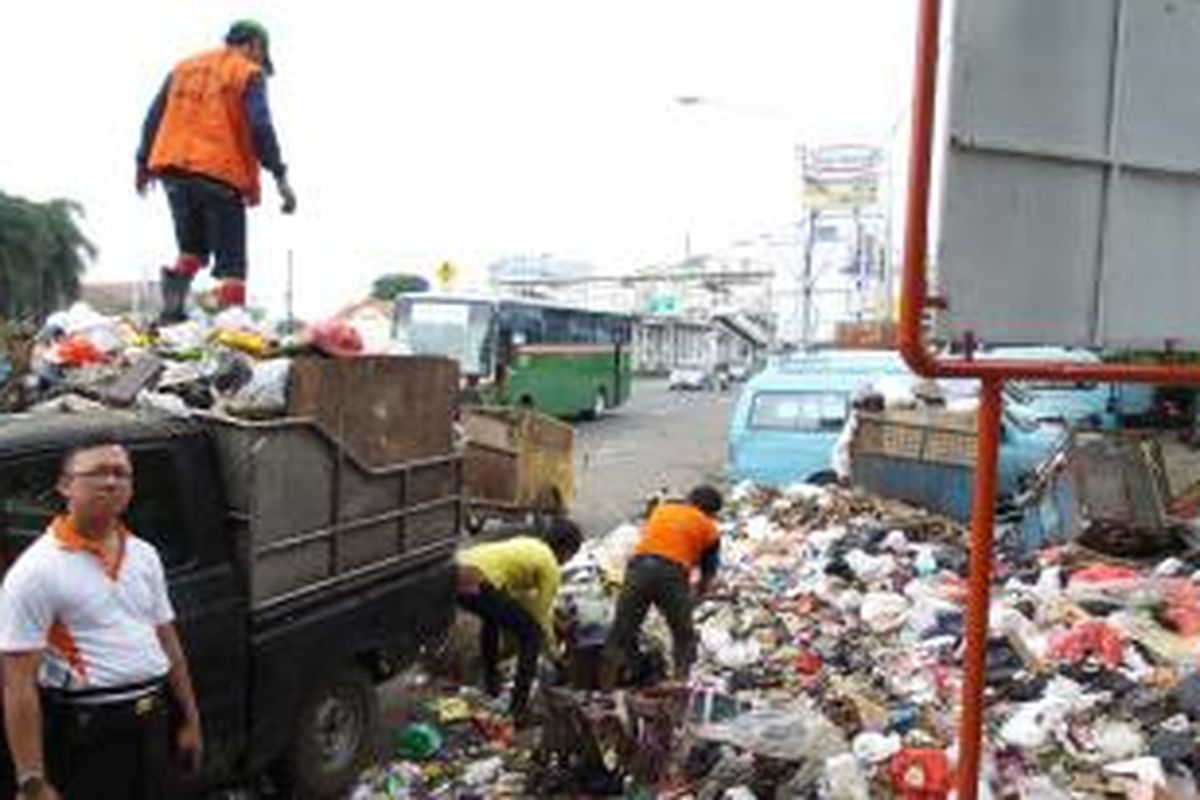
[(512, 586)]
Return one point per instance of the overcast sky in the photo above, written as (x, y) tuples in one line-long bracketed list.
[(463, 129)]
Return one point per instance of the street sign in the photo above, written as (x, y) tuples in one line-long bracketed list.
[(1070, 191)]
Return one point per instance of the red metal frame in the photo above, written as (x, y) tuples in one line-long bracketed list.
[(992, 373)]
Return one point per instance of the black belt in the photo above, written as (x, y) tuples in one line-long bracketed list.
[(129, 693)]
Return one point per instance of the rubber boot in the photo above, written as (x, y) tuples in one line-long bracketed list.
[(175, 289)]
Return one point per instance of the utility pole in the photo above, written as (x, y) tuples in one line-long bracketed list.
[(806, 286), (288, 300)]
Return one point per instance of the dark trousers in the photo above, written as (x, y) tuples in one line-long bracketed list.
[(109, 751), (210, 218), (500, 613), (652, 581)]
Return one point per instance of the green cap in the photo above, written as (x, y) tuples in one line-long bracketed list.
[(248, 30)]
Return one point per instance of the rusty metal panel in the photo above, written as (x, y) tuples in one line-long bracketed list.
[(517, 457), (307, 514), (433, 528), (384, 409), (1119, 479), (489, 474)]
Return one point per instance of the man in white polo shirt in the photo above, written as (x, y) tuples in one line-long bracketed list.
[(88, 646)]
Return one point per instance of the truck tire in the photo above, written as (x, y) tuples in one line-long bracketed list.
[(334, 737)]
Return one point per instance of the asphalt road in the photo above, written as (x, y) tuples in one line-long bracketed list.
[(658, 439)]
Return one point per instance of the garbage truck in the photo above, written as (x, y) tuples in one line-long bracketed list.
[(308, 557)]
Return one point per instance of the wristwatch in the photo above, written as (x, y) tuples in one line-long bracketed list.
[(31, 786)]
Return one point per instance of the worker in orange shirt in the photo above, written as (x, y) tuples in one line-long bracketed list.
[(205, 135), (677, 540)]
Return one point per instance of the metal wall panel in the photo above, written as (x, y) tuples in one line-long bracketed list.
[(1152, 292), (1034, 72), (1071, 186), (1028, 230), (1160, 97)]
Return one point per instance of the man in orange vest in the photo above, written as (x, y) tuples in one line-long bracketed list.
[(204, 137), (677, 539)]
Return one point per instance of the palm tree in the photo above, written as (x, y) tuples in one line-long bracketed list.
[(43, 256)]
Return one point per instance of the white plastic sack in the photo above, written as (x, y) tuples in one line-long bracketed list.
[(875, 748), (883, 612), (266, 393), (843, 780)]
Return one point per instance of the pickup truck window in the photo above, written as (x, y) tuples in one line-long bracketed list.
[(29, 499), (156, 514), (799, 411)]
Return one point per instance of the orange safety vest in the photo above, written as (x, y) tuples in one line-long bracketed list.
[(678, 532), (204, 129)]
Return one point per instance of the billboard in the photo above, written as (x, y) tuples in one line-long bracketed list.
[(841, 177), (1070, 190)]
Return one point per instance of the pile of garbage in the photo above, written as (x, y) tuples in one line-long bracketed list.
[(231, 362), (455, 743), (831, 666)]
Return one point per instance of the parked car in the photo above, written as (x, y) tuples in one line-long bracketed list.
[(740, 372), (1078, 404), (689, 378)]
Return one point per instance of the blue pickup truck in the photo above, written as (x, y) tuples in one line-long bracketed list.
[(789, 417)]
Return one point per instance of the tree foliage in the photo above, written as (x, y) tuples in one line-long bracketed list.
[(387, 287), (43, 255)]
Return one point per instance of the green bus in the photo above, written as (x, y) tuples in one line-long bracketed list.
[(563, 361)]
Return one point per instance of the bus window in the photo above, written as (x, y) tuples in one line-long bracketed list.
[(462, 331), (526, 324), (558, 325), (583, 329)]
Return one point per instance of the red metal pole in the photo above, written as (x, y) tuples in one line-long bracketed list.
[(920, 169), (983, 519)]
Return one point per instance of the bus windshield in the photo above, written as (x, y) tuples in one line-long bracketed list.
[(457, 329)]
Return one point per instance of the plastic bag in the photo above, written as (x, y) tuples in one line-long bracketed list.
[(799, 734), (1097, 639), (884, 611), (921, 774), (875, 748), (266, 393), (1183, 606), (843, 780), (75, 351), (336, 338)]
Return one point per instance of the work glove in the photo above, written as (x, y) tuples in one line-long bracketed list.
[(289, 196)]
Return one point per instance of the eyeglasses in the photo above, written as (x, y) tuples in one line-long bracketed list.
[(101, 473)]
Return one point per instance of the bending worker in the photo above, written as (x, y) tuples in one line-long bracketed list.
[(677, 539), (204, 137), (512, 586)]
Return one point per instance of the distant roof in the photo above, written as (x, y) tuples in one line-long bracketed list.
[(487, 297), (746, 328), (383, 307), (121, 297), (838, 361)]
